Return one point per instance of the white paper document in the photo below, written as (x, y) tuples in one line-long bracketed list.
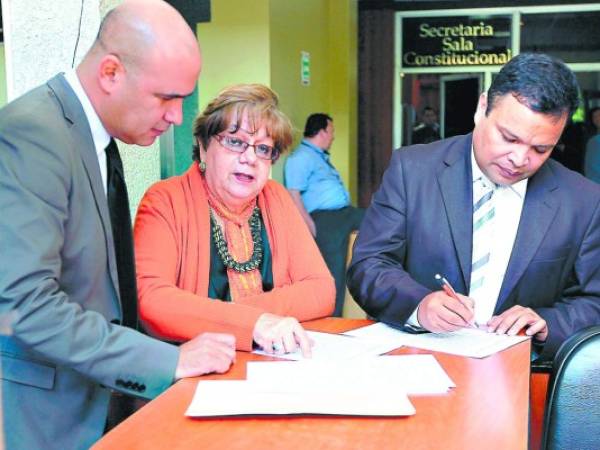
[(329, 346), (413, 374), (234, 398), (472, 342)]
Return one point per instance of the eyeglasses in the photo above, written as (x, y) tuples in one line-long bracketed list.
[(262, 151)]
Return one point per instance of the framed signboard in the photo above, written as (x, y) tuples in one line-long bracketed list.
[(455, 41)]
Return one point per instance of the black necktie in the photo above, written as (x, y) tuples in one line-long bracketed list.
[(120, 220)]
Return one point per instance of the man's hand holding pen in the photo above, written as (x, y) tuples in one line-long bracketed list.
[(446, 310), (438, 312)]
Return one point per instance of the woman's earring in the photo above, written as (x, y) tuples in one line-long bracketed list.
[(202, 166)]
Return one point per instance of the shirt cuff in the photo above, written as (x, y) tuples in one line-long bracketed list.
[(413, 320)]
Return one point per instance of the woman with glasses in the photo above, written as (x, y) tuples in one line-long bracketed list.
[(222, 248)]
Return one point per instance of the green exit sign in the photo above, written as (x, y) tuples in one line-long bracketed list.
[(305, 68)]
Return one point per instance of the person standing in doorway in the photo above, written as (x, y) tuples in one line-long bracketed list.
[(428, 130)]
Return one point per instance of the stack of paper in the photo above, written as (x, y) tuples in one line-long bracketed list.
[(366, 386), (473, 342), (233, 398), (412, 374)]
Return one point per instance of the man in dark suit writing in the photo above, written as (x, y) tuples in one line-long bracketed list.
[(64, 206), (515, 233)]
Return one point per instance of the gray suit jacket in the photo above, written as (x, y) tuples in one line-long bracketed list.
[(58, 272), (420, 223)]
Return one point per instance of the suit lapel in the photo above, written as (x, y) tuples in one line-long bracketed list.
[(538, 212), (83, 142), (457, 195)]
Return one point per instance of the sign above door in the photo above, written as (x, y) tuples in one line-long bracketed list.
[(456, 41)]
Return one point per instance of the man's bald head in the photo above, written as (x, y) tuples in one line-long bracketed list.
[(144, 61), (140, 28)]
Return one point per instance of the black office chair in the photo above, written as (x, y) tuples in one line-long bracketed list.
[(572, 419)]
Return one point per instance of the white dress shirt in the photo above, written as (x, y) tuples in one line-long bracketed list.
[(100, 136), (508, 204)]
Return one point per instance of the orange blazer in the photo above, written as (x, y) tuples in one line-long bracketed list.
[(172, 254)]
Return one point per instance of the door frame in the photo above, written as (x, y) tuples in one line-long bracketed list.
[(455, 77), (485, 71)]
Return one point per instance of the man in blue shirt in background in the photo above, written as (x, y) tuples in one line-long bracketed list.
[(323, 201)]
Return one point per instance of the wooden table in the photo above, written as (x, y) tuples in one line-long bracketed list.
[(487, 409)]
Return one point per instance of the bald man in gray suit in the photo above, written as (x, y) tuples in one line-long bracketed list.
[(58, 270)]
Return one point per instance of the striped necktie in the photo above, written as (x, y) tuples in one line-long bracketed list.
[(483, 215)]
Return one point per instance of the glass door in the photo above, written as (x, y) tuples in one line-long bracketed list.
[(459, 95)]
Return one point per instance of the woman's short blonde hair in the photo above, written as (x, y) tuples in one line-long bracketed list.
[(255, 101)]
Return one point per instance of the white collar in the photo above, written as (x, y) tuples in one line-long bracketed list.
[(100, 136)]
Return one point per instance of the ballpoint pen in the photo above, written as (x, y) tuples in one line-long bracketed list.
[(449, 290), (446, 286)]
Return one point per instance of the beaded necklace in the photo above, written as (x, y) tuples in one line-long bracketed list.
[(221, 244)]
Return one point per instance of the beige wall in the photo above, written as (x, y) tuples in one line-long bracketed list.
[(343, 78), (39, 39), (235, 46), (262, 44)]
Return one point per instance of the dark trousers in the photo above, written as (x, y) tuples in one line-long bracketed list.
[(121, 406), (333, 229)]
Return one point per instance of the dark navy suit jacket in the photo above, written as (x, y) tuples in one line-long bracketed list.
[(420, 223)]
